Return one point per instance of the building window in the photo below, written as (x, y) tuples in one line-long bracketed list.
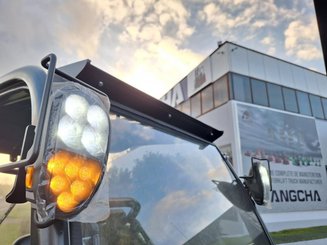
[(290, 100), (324, 104), (207, 99), (241, 88), (316, 106), (186, 107), (220, 89), (304, 103), (195, 105), (275, 96), (259, 92)]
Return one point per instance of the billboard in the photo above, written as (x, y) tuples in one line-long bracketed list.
[(194, 82), (290, 142), (199, 77)]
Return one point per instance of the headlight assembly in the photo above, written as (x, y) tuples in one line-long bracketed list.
[(75, 151)]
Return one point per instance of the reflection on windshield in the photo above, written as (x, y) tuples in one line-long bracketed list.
[(162, 192)]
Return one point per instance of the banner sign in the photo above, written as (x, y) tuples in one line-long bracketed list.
[(199, 77), (291, 144), (195, 81)]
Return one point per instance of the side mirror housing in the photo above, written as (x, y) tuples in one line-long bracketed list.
[(259, 181)]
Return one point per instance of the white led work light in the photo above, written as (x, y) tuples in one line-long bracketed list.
[(76, 150)]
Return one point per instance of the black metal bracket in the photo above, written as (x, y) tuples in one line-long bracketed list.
[(126, 202), (251, 182), (71, 78), (18, 192), (42, 224)]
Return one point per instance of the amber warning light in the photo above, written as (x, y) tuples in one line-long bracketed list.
[(73, 178)]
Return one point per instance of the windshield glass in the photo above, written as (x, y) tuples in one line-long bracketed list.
[(166, 190)]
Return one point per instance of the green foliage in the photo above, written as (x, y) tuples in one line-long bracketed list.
[(302, 234)]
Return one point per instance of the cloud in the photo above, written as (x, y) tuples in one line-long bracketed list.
[(148, 37), (174, 13), (302, 39), (156, 66), (139, 40), (267, 41), (271, 51), (228, 16), (286, 29), (150, 44), (81, 31), (247, 22), (146, 20), (65, 28), (270, 43), (149, 41)]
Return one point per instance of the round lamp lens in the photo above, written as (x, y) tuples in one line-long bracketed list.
[(59, 184), (70, 132), (94, 142), (76, 107), (81, 190), (97, 118), (56, 164), (66, 202)]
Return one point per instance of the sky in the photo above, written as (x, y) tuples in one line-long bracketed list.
[(153, 44)]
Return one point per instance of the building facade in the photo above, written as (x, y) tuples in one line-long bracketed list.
[(267, 108)]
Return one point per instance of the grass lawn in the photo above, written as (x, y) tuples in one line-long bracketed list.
[(16, 224), (18, 221), (301, 234)]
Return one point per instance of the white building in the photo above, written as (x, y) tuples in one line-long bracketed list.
[(267, 108)]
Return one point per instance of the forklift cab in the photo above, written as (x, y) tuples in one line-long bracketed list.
[(103, 163)]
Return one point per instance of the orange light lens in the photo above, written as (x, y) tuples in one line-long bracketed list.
[(66, 202), (29, 177), (81, 190), (59, 184), (90, 171), (72, 179), (57, 163), (73, 167)]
